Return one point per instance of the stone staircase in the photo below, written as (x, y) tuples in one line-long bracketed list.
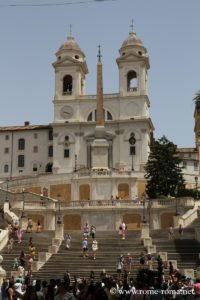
[(185, 251), (110, 248), (40, 240)]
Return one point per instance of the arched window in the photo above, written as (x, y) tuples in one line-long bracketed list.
[(35, 168), (131, 81), (67, 85), (6, 168), (21, 144), (93, 115), (48, 168)]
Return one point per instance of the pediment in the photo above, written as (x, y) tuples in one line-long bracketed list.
[(132, 56)]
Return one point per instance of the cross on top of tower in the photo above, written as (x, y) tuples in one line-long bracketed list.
[(99, 54), (132, 22), (70, 30)]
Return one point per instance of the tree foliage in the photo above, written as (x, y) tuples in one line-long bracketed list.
[(163, 172), (196, 99)]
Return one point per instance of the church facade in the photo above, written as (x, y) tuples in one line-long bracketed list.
[(68, 145)]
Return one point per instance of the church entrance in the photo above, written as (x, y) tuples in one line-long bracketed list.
[(132, 221), (72, 222), (166, 220)]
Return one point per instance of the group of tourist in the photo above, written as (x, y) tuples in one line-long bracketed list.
[(87, 233), (15, 234), (146, 286)]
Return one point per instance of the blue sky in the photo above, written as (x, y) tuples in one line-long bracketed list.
[(170, 30)]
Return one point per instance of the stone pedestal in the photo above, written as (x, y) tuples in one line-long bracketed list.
[(147, 242), (144, 230), (23, 222), (59, 231), (100, 151), (2, 271), (176, 221), (164, 256), (151, 249), (188, 273)]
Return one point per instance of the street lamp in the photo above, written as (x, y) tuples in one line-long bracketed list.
[(59, 221), (6, 198), (176, 193), (196, 186), (144, 217), (23, 204), (75, 163)]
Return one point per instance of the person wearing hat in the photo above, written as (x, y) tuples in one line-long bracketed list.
[(94, 248)]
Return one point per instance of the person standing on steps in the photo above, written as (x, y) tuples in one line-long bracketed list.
[(129, 261), (180, 231), (85, 247), (94, 248), (170, 232), (123, 230), (120, 266), (19, 234), (67, 240), (86, 230), (29, 225), (93, 231)]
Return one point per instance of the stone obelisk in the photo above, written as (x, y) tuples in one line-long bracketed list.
[(100, 144)]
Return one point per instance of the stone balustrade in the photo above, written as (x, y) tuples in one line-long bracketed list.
[(96, 203), (185, 201)]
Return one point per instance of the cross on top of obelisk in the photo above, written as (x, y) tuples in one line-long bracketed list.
[(99, 53)]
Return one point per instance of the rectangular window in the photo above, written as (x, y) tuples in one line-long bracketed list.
[(195, 166), (132, 150), (50, 135), (50, 151), (35, 135), (6, 137), (6, 150), (35, 149), (20, 161), (21, 144), (6, 168), (184, 164), (66, 153)]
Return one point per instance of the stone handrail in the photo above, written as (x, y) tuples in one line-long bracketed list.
[(188, 217), (102, 172), (3, 238), (9, 215)]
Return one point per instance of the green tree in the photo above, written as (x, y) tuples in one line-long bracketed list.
[(196, 99), (163, 172)]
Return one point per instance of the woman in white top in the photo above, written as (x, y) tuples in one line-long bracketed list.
[(94, 248)]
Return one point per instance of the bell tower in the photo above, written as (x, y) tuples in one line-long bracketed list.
[(70, 70), (133, 64)]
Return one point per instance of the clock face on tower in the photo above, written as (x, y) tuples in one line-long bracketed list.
[(66, 112)]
